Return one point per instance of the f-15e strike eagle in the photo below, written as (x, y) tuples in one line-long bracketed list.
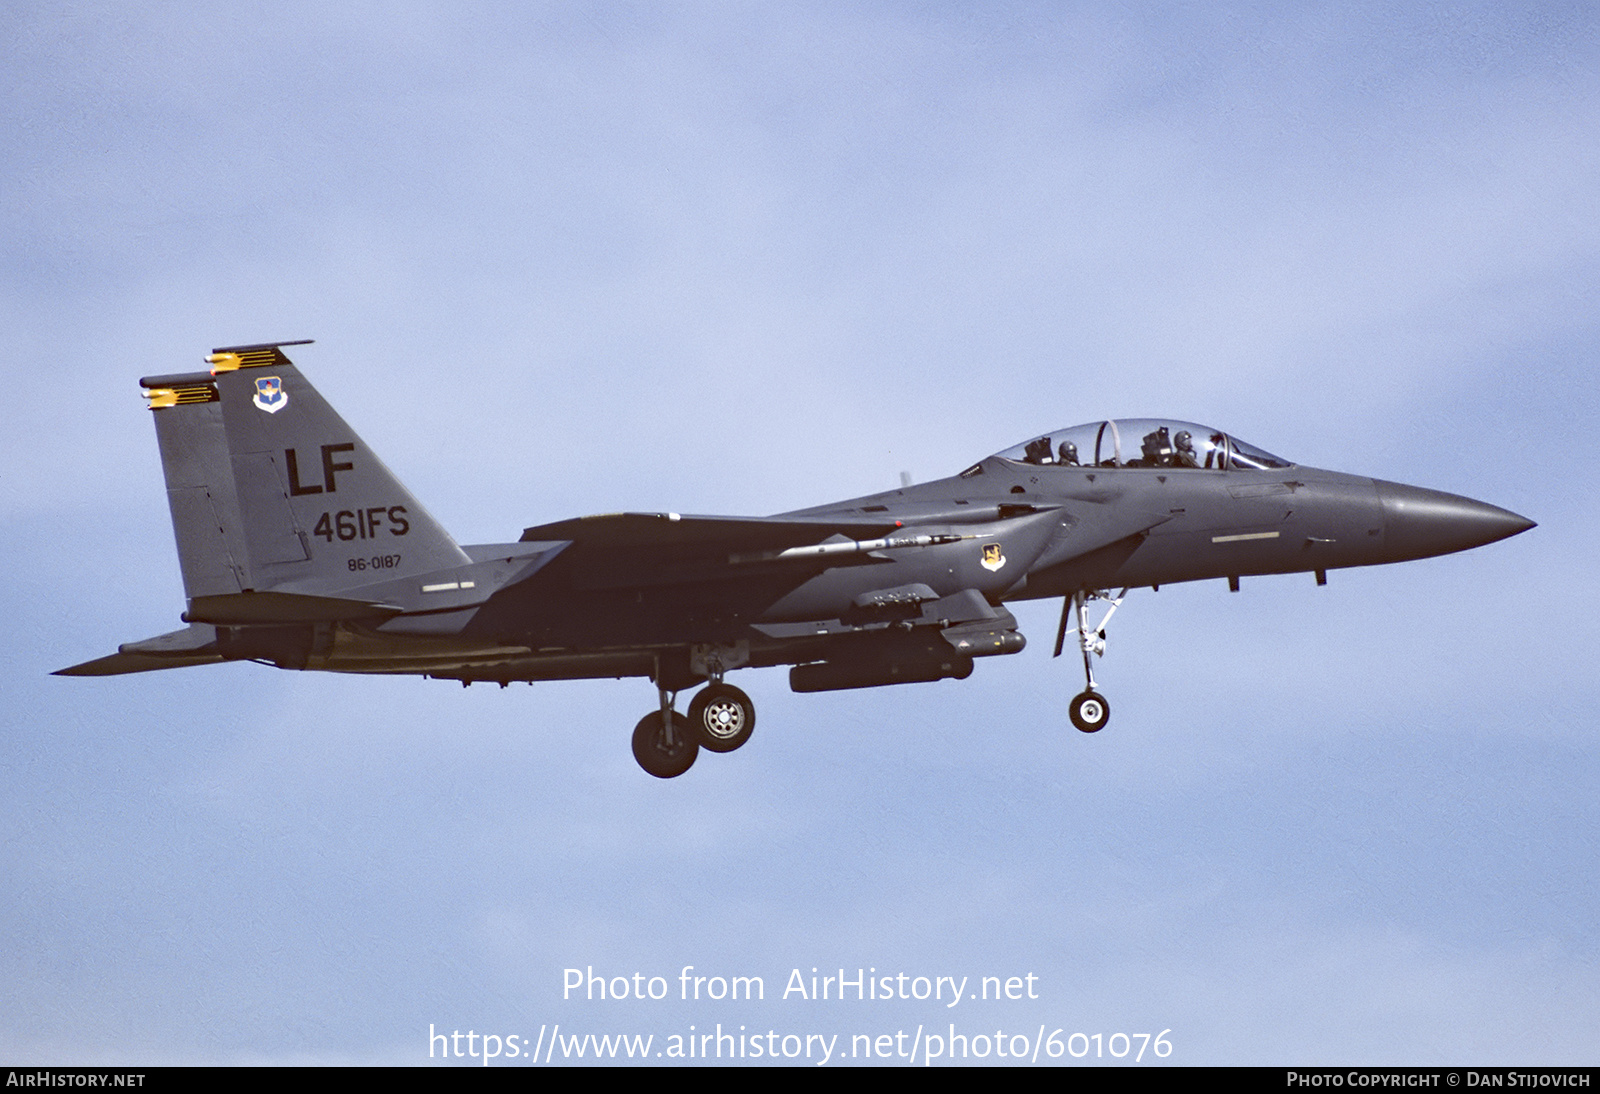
[(300, 549)]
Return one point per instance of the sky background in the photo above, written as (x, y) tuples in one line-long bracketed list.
[(744, 258)]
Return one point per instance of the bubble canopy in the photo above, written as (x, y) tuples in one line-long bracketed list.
[(1143, 442)]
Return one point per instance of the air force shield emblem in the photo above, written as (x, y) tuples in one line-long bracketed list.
[(270, 395), (992, 558)]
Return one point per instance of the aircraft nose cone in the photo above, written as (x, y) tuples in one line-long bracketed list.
[(1419, 523)]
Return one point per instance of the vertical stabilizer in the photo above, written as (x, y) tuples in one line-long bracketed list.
[(200, 491), (270, 488)]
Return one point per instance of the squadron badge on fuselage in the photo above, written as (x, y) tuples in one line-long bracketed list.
[(992, 558), (270, 395)]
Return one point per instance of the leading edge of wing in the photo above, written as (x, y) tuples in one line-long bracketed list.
[(676, 530)]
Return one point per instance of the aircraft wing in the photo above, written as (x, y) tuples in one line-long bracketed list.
[(633, 550), (672, 530)]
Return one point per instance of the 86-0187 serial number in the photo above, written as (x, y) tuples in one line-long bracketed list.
[(376, 562)]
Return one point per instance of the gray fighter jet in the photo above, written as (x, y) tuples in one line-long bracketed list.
[(300, 549)]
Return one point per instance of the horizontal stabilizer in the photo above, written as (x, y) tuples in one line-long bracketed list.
[(196, 644), (119, 664)]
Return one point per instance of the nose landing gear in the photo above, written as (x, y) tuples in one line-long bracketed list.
[(1089, 710)]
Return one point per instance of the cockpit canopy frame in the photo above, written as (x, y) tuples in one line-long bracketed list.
[(1143, 443)]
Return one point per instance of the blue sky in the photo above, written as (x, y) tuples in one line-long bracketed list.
[(561, 259)]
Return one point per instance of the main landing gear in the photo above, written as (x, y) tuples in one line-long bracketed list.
[(1089, 710), (723, 717), (662, 744), (720, 719)]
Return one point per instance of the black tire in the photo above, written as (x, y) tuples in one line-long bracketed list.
[(722, 717), (658, 758), (1090, 711)]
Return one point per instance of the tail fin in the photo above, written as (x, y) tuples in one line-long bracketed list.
[(271, 490)]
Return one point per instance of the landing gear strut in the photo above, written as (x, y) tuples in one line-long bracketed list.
[(1089, 710)]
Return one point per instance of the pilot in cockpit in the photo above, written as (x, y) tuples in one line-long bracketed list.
[(1185, 455), (1068, 456)]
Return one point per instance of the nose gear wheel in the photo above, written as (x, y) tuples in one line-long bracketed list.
[(1089, 711)]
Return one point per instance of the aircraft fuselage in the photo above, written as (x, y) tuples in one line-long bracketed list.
[(300, 549)]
